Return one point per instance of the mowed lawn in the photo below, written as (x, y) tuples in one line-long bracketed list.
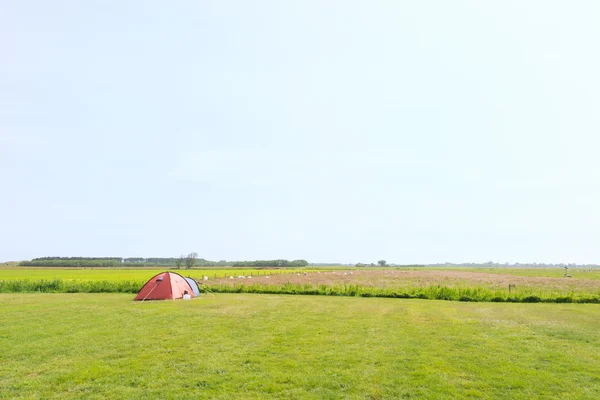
[(235, 346)]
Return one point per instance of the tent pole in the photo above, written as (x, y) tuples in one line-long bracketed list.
[(150, 292)]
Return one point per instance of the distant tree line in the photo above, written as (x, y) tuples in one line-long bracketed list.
[(155, 261), (78, 258), (73, 262), (491, 264), (271, 263), (383, 263)]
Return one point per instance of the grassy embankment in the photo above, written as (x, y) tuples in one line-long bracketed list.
[(70, 346)]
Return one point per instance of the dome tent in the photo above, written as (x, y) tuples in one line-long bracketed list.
[(166, 285)]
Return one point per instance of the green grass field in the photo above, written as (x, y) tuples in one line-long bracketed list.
[(12, 272), (460, 284), (114, 274), (99, 346)]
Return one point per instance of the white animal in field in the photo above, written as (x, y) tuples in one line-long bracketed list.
[(231, 277), (205, 278), (249, 276), (298, 274), (345, 273), (268, 277), (241, 277)]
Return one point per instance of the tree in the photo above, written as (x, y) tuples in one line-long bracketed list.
[(180, 261), (382, 263), (299, 263), (190, 260)]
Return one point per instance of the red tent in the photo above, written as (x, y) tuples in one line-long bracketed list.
[(166, 285)]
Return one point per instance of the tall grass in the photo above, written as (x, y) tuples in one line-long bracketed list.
[(69, 286), (432, 292)]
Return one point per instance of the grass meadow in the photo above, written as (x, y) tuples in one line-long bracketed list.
[(114, 274), (15, 272), (458, 284), (558, 272), (98, 346), (440, 284)]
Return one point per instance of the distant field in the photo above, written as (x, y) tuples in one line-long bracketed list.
[(577, 273), (473, 284), (104, 346), (113, 274), (406, 279), (12, 272)]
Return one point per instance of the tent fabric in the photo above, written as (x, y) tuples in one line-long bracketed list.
[(194, 286), (163, 286)]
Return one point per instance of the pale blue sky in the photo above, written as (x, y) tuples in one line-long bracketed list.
[(417, 132)]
